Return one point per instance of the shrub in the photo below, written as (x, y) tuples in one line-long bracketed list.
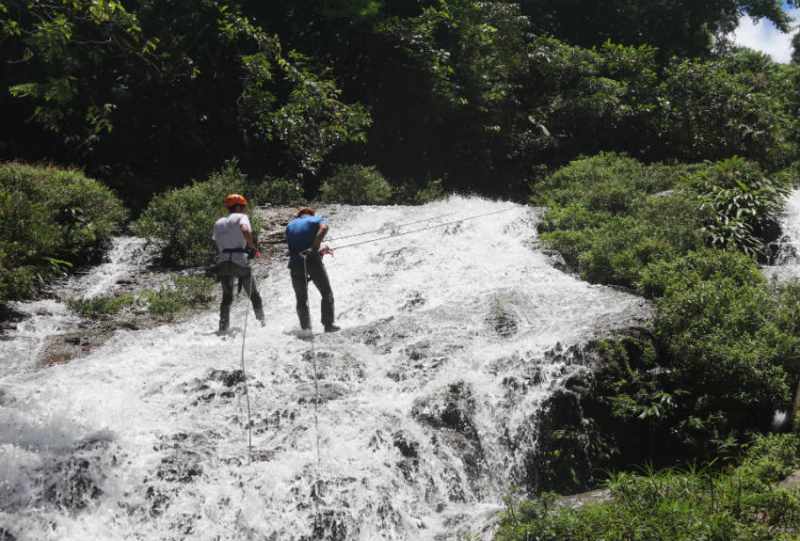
[(725, 348), (50, 219), (432, 191), (728, 344), (737, 505), (356, 185), (180, 221), (278, 191), (743, 204), (182, 294), (102, 306), (610, 216)]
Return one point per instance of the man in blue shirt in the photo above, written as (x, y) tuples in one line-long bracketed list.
[(304, 236)]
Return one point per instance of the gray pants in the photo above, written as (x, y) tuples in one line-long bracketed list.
[(313, 270), (228, 272)]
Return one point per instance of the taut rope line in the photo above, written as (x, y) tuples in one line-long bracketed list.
[(421, 229), (395, 225)]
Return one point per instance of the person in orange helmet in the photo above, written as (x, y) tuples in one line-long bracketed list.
[(304, 236), (233, 235)]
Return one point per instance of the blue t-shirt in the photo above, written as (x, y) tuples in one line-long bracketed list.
[(300, 234)]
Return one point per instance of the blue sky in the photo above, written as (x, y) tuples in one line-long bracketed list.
[(765, 37)]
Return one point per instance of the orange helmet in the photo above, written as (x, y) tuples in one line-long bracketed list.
[(305, 210), (235, 199)]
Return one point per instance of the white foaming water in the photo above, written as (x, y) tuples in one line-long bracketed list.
[(428, 399), (20, 348), (128, 254), (787, 263)]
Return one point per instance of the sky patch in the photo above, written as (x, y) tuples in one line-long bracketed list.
[(763, 36)]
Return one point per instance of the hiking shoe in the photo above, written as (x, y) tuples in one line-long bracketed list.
[(332, 328)]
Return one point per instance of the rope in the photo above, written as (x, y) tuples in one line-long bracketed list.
[(250, 280), (316, 491), (395, 225), (387, 237)]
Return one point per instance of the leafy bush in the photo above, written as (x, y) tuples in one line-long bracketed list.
[(50, 219), (184, 293), (102, 306), (356, 185), (180, 221), (278, 191), (726, 351), (432, 191), (610, 216), (728, 344), (737, 505), (743, 204)]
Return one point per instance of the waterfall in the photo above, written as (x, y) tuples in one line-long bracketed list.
[(787, 256), (20, 348), (427, 397)]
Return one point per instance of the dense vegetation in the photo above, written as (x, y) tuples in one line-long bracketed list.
[(739, 504), (51, 220), (727, 341), (482, 95)]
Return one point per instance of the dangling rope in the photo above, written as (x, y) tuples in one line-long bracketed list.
[(421, 229), (250, 280), (317, 484)]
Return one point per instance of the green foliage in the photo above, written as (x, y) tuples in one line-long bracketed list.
[(737, 105), (278, 191), (727, 352), (728, 347), (432, 191), (101, 307), (182, 294), (311, 123), (743, 203), (181, 221), (356, 185), (609, 216), (673, 26), (738, 505), (50, 220)]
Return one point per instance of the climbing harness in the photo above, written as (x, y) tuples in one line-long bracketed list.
[(421, 229)]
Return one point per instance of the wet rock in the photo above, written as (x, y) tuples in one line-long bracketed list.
[(186, 453), (228, 378), (159, 501), (62, 348), (330, 525), (9, 315), (73, 481), (578, 437), (555, 259), (450, 412), (503, 321), (450, 408), (409, 449), (413, 300)]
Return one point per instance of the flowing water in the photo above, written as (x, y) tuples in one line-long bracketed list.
[(787, 264), (417, 425)]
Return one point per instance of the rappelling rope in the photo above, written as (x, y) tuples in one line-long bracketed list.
[(421, 229), (250, 281), (317, 485)]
